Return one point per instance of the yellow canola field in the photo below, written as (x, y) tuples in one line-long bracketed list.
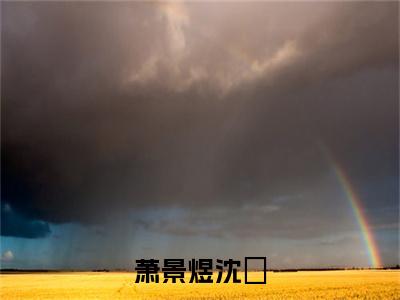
[(360, 284)]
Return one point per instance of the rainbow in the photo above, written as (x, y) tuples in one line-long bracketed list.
[(356, 205)]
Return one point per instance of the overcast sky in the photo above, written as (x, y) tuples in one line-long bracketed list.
[(134, 130)]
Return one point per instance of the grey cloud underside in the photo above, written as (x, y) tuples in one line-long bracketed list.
[(110, 108)]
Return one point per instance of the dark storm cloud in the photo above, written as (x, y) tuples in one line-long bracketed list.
[(110, 108), (13, 224)]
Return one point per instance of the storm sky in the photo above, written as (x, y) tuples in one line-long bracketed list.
[(172, 129)]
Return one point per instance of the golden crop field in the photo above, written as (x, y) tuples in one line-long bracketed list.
[(365, 284)]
